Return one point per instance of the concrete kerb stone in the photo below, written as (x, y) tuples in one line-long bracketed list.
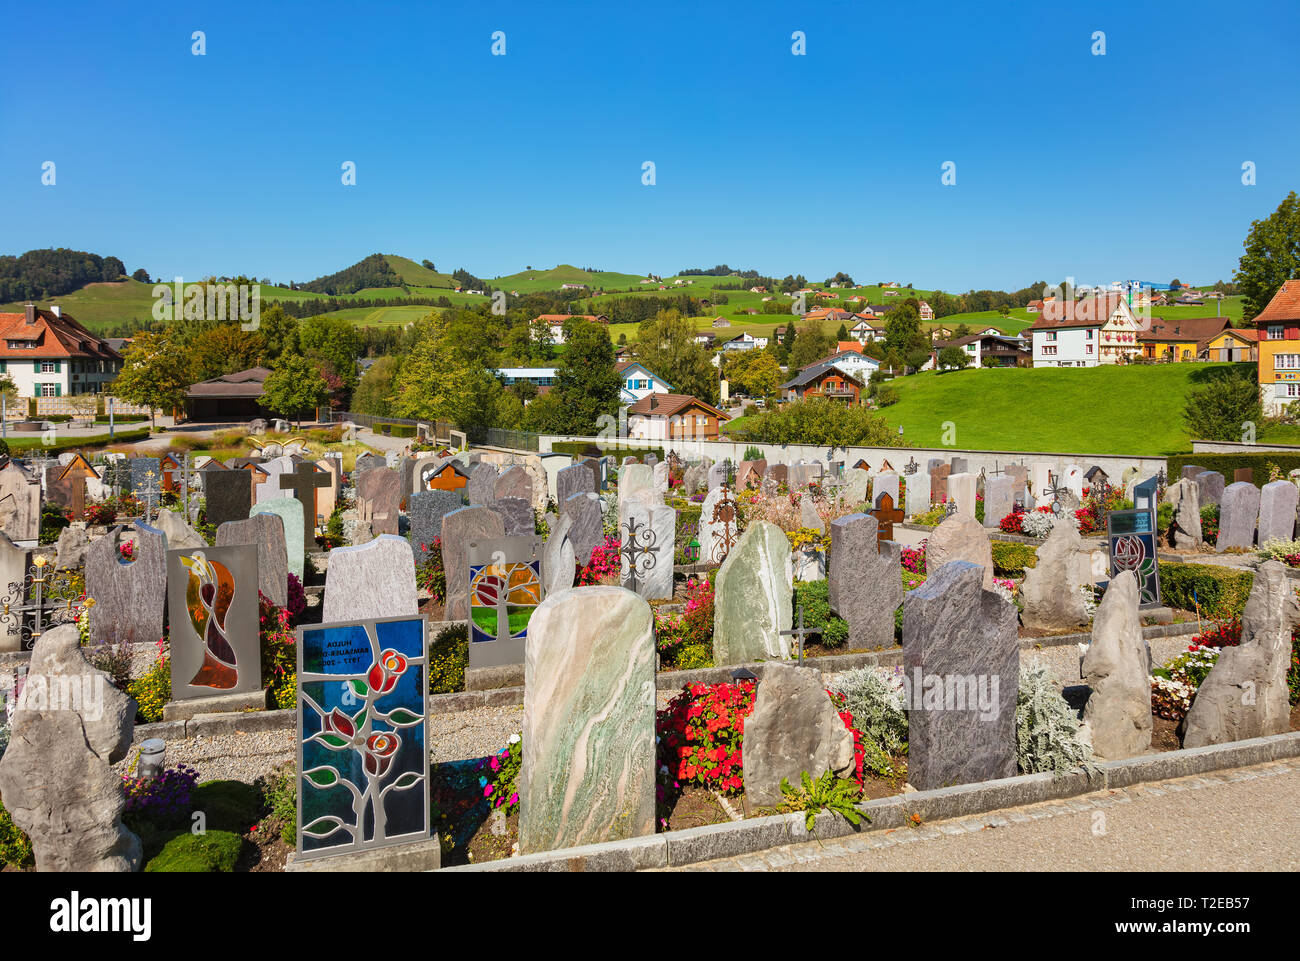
[(634, 854)]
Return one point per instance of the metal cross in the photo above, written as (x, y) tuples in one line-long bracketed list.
[(637, 553), (798, 634), (724, 513), (911, 466), (149, 491), (1056, 491), (20, 602)]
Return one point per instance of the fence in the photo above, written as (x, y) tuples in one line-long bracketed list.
[(84, 405), (514, 439)]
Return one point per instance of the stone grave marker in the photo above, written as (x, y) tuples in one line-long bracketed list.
[(865, 581), (130, 597), (517, 515), (290, 513), (588, 771), (961, 671), (1190, 471), (179, 534), (1186, 500), (586, 513), (1277, 511), (459, 527), (504, 589), (1117, 666), (960, 465), (304, 482), (363, 686), (961, 491), (559, 557), (1209, 485), (647, 528), (577, 478), (514, 482), (1131, 546), (1243, 475), (939, 482), (427, 509), (378, 499), (1238, 512), (375, 579), (228, 495), (885, 483), (482, 484), (368, 462), (999, 499), (14, 562), (266, 533), (1050, 591), (633, 480), (20, 504), (752, 595), (960, 538), (917, 493), (719, 525)]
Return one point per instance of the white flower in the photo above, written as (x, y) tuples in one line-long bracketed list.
[(514, 739)]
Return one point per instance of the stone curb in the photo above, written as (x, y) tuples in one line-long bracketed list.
[(211, 725), (734, 838)]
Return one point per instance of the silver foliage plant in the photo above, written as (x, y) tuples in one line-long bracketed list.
[(1047, 730), (877, 709)]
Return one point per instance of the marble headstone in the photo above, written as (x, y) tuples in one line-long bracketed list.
[(375, 579), (266, 532)]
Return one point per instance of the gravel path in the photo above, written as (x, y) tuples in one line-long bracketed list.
[(1255, 827), (238, 757)]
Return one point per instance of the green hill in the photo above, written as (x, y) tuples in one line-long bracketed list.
[(532, 281), (417, 275)]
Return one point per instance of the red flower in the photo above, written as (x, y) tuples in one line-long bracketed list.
[(384, 674), (336, 722), (379, 752)]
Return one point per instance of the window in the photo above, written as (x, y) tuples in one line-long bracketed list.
[(49, 390), (1049, 350), (1087, 335), (1051, 335), (48, 366), (1286, 361), (1275, 332), (1290, 390), (1088, 348)]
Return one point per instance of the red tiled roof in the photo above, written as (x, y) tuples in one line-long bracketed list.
[(1200, 329), (54, 335), (1285, 305), (561, 318), (666, 405), (1091, 312)]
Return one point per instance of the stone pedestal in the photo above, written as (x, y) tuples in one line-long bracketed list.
[(419, 856), (220, 704)]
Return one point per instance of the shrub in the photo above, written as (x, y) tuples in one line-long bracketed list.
[(429, 575), (111, 657), (692, 656), (814, 597), (15, 846), (212, 852), (498, 775), (933, 517), (297, 603), (700, 734), (1038, 523), (1047, 730), (1228, 464), (448, 657), (877, 710), (279, 791), (692, 629), (1174, 684), (153, 689), (1219, 591), (1288, 552), (279, 653), (165, 799), (827, 793), (1012, 560), (603, 568), (228, 805)]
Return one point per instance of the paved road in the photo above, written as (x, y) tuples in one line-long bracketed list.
[(1246, 819)]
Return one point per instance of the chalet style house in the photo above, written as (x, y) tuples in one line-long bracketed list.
[(673, 417), (46, 353)]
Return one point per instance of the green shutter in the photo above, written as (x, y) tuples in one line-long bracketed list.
[(58, 366), (58, 390)]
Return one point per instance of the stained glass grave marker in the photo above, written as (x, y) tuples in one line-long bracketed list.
[(212, 608), (505, 586)]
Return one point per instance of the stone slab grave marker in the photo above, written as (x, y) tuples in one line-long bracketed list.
[(779, 473), (854, 489), (378, 500), (515, 482), (586, 513), (865, 581), (130, 597), (482, 484), (753, 594), (917, 493), (578, 479), (459, 527), (1210, 486), (647, 530), (960, 538), (266, 533), (1185, 498), (56, 776), (504, 588), (291, 517), (20, 504), (559, 557), (633, 480), (960, 465), (960, 672), (327, 496), (268, 485), (375, 579), (939, 482), (1277, 511), (1189, 471), (793, 728), (1050, 590), (517, 516), (886, 517), (588, 772), (363, 758), (1238, 512), (999, 499), (1245, 694), (179, 534), (13, 570), (808, 516), (368, 462), (716, 475), (213, 615), (961, 491), (1117, 666), (426, 511), (886, 483), (228, 496), (1243, 475)]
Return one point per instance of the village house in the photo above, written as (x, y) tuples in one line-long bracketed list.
[(1085, 333), (637, 382), (673, 417), (556, 323), (745, 341), (926, 311), (1182, 340), (1278, 327), (46, 353), (830, 378), (543, 378), (998, 349)]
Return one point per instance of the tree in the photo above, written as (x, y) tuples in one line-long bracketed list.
[(225, 349), (755, 373), (903, 334), (586, 382), (962, 331), (279, 334), (156, 372), (954, 358), (1272, 256), (333, 340), (296, 385), (811, 343), (428, 265), (666, 346), (1222, 408), (545, 415), (141, 275), (374, 394), (823, 422), (843, 333)]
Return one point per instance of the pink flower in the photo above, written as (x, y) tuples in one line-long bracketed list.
[(496, 765), (487, 791), (514, 798)]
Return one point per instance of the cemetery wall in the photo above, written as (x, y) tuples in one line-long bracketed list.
[(1237, 447), (1114, 465)]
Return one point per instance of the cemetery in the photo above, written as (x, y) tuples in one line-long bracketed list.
[(460, 657)]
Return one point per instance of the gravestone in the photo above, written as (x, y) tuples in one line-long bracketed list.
[(1132, 546), (961, 671), (651, 459), (290, 513), (586, 514), (1185, 498), (1073, 480), (213, 617), (1050, 591), (886, 516), (517, 516), (427, 509), (130, 597), (145, 475), (752, 598), (961, 491), (917, 494), (374, 580), (854, 489), (578, 479), (304, 481), (633, 480), (13, 569), (327, 496), (719, 525), (378, 498), (960, 465), (1277, 511), (693, 479), (960, 538), (368, 462), (1041, 477), (459, 527), (514, 483), (504, 589), (886, 483), (939, 482), (1209, 485), (647, 529), (56, 776), (999, 499), (266, 533), (179, 534), (70, 551), (661, 479), (559, 557), (588, 772), (1243, 475), (793, 728), (1245, 694), (717, 475), (228, 496), (865, 581), (1117, 666), (808, 516), (20, 504), (780, 473), (749, 473), (269, 488), (1237, 514), (1190, 471), (362, 693), (482, 487)]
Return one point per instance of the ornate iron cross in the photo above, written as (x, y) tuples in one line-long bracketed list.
[(31, 596), (149, 493), (724, 513), (799, 633), (637, 552), (1056, 492), (911, 467)]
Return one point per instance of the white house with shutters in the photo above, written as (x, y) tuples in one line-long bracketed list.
[(1085, 333), (46, 353)]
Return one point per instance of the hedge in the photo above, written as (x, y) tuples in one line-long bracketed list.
[(1227, 464), (579, 448), (1219, 591), (21, 444), (395, 430), (1010, 559)]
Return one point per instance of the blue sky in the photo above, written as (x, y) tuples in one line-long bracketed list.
[(1126, 165)]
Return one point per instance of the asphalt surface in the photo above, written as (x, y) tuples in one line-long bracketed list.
[(1247, 819)]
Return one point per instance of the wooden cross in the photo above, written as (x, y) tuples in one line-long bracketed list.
[(798, 634), (886, 517), (303, 482)]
